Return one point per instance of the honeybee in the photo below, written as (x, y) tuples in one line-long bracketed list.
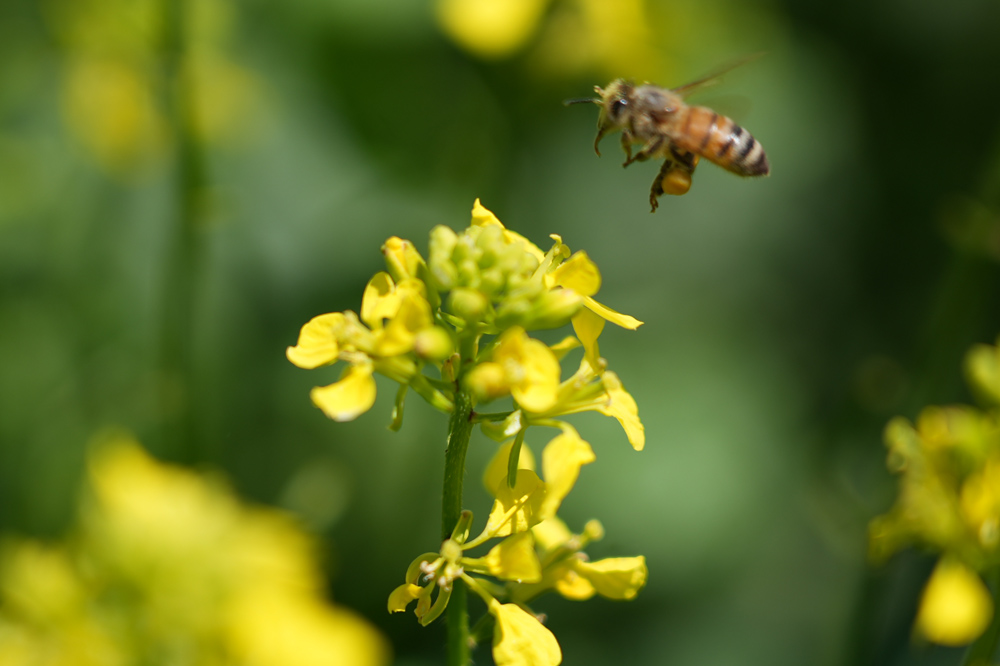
[(658, 120)]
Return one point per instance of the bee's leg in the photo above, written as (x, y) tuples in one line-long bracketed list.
[(674, 176), (657, 190), (627, 146), (650, 149)]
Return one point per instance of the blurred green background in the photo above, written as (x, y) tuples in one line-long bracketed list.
[(182, 187)]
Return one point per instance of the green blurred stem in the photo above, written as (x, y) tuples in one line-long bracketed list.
[(459, 431), (182, 256), (981, 652)]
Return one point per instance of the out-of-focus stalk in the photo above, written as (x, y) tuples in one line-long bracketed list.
[(182, 253)]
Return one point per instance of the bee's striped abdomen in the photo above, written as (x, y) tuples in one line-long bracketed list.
[(718, 139)]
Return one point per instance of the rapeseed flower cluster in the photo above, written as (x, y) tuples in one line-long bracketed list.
[(949, 502), (455, 328), (168, 567)]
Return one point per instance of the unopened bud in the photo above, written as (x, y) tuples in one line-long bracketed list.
[(487, 381), (469, 304), (593, 530), (550, 309), (401, 258), (433, 343)]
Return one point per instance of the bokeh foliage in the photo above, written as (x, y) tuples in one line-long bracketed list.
[(786, 319)]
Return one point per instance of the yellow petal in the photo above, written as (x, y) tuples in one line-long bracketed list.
[(956, 607), (588, 326), (615, 577), (317, 343), (514, 558), (578, 273), (622, 406), (561, 462), (603, 311), (496, 471), (349, 398), (380, 300), (483, 216), (402, 596), (519, 639), (516, 509), (566, 345), (572, 585)]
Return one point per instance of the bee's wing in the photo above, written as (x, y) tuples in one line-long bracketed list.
[(715, 76)]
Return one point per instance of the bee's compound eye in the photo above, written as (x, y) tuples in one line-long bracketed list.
[(617, 107)]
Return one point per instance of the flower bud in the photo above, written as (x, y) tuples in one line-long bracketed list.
[(487, 381), (401, 259), (549, 309), (593, 530), (442, 268), (469, 304), (433, 343)]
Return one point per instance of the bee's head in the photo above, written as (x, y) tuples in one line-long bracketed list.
[(615, 100)]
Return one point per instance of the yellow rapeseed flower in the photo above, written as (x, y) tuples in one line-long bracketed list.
[(232, 584)]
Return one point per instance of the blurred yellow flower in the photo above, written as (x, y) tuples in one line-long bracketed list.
[(490, 28), (955, 607), (168, 563)]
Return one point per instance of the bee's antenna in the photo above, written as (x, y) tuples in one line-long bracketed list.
[(583, 100)]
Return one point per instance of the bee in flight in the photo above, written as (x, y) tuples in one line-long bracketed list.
[(658, 120)]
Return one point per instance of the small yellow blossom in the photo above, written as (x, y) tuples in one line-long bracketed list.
[(956, 606), (529, 369)]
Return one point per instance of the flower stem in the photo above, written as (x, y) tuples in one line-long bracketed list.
[(182, 253), (459, 431)]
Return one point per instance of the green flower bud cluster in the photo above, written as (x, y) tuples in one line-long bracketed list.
[(422, 324)]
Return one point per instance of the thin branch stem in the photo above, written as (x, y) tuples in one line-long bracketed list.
[(459, 432)]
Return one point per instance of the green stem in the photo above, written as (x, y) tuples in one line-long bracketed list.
[(182, 254), (981, 652), (459, 431)]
